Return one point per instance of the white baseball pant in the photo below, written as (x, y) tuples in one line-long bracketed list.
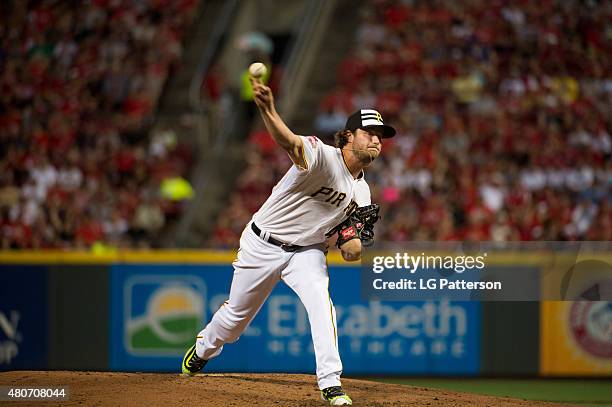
[(257, 269)]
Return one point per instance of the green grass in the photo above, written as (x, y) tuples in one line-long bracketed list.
[(582, 392)]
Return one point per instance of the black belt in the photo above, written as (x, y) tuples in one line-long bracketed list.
[(286, 247)]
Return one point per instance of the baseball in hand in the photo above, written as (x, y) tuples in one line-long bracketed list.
[(257, 70)]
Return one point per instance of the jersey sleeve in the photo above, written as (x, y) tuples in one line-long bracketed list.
[(362, 193), (312, 151)]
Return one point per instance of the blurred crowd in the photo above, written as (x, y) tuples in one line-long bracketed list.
[(503, 117), (79, 82)]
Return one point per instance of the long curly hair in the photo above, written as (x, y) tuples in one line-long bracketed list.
[(341, 137)]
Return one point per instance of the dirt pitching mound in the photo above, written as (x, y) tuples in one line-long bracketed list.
[(234, 389)]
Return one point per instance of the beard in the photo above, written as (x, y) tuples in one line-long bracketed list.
[(366, 156)]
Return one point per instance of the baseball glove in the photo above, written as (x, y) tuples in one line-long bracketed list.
[(360, 225)]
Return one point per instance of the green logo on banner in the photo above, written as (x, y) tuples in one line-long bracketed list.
[(172, 316)]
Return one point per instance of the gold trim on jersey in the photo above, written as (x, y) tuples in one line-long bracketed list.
[(302, 156)]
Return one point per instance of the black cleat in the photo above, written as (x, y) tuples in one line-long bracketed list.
[(192, 364), (335, 396)]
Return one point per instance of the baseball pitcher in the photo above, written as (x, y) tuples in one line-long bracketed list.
[(323, 193)]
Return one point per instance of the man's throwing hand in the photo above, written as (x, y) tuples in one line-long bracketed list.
[(262, 95)]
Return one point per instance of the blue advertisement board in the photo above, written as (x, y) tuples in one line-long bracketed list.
[(23, 317), (157, 311)]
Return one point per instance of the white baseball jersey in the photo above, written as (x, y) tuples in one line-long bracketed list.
[(307, 202)]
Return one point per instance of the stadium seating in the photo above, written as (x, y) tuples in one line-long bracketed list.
[(502, 111), (79, 83)]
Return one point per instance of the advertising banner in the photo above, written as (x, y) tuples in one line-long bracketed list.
[(23, 317), (576, 338), (157, 310)]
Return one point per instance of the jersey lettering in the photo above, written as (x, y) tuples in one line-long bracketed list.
[(350, 208), (339, 199), (335, 197), (323, 191)]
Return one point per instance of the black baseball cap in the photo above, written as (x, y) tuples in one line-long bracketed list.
[(365, 118)]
